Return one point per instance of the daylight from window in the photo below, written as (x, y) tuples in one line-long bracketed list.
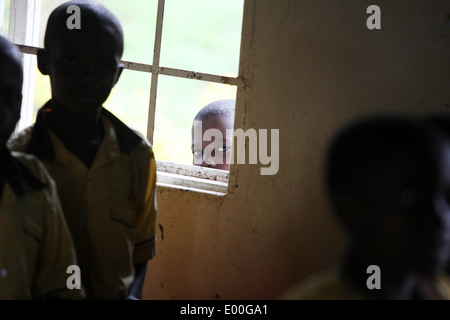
[(198, 35)]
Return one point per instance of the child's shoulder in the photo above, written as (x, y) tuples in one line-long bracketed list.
[(145, 144), (34, 167), (144, 148), (20, 140), (130, 140)]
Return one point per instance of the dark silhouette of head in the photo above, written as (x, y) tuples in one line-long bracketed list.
[(11, 80), (83, 64)]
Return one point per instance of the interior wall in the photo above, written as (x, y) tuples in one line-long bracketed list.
[(310, 67)]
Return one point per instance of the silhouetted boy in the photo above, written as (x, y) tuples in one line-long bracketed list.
[(105, 172)]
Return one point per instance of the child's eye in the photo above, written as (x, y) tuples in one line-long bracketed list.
[(223, 149)]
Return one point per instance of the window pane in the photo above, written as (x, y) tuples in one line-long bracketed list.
[(178, 101), (129, 99), (138, 20), (4, 18), (42, 92), (202, 35)]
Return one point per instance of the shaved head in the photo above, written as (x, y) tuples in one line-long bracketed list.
[(221, 108), (93, 16)]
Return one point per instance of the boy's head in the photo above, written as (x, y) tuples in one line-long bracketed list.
[(83, 64), (213, 149), (389, 181), (11, 79)]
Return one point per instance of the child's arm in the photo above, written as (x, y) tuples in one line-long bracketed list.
[(145, 231)]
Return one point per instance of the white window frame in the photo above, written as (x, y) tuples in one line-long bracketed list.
[(23, 28)]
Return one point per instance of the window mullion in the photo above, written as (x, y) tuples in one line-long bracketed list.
[(155, 71)]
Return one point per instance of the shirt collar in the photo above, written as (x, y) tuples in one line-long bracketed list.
[(41, 142), (19, 177), (108, 151)]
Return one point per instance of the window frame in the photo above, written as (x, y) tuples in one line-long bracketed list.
[(171, 175)]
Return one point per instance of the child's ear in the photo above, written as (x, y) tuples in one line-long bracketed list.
[(119, 72), (42, 61)]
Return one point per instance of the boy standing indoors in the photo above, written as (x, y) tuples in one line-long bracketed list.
[(105, 172)]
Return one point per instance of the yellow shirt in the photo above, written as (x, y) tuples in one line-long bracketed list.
[(35, 244), (110, 208)]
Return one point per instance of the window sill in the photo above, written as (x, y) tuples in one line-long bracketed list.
[(192, 178)]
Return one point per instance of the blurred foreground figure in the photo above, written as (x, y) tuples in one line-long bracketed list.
[(35, 244), (388, 179)]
